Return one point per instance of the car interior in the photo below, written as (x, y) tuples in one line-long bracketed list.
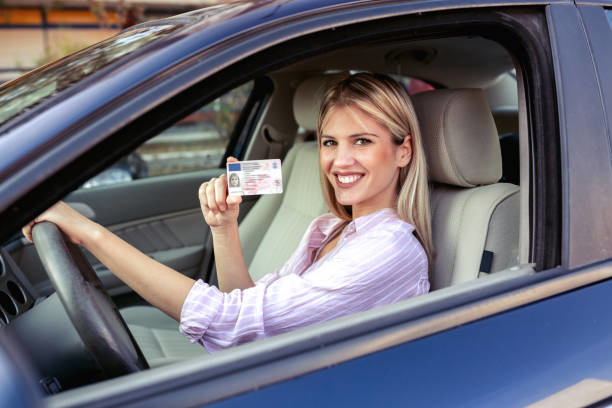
[(479, 180)]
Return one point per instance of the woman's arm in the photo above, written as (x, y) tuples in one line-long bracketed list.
[(363, 272), (221, 214), (232, 271), (161, 286)]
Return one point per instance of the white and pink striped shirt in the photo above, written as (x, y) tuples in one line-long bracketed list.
[(377, 261)]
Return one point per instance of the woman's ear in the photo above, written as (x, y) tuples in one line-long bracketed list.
[(404, 151)]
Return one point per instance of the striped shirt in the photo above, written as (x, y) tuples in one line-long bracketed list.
[(376, 261)]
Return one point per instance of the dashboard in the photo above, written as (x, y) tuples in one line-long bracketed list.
[(16, 294)]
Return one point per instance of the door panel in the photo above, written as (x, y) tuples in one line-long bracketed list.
[(160, 216), (175, 239), (118, 204)]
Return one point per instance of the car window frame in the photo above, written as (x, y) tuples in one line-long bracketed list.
[(586, 35), (544, 221), (245, 126)]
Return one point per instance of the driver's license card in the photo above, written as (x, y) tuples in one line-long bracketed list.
[(253, 177)]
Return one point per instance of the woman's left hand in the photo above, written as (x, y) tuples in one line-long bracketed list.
[(71, 222), (219, 208)]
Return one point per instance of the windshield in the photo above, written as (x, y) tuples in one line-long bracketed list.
[(33, 88)]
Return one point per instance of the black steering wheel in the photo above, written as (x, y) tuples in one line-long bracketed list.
[(87, 303)]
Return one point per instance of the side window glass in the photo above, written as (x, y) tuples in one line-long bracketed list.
[(413, 85), (196, 142)]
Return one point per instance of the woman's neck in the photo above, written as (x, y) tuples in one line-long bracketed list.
[(361, 212)]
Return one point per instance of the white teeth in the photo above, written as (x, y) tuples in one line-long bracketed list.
[(348, 179)]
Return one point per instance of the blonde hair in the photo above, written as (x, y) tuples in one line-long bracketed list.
[(387, 102)]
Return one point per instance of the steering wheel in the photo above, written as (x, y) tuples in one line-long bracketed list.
[(87, 303)]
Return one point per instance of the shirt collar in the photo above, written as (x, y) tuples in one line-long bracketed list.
[(322, 232), (323, 229), (358, 223), (329, 228)]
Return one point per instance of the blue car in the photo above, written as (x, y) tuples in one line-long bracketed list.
[(514, 101)]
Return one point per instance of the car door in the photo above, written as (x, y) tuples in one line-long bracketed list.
[(149, 197), (505, 342)]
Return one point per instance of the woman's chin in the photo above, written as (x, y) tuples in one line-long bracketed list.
[(344, 200)]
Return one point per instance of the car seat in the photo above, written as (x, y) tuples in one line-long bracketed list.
[(474, 218)]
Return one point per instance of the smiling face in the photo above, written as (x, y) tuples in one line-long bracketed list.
[(359, 158)]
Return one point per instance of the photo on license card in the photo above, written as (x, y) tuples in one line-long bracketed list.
[(254, 177)]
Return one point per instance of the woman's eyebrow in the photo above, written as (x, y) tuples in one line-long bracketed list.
[(354, 135), (363, 134)]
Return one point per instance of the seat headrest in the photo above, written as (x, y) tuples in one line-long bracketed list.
[(459, 136), (307, 101)]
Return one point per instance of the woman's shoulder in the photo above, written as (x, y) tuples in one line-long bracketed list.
[(387, 229)]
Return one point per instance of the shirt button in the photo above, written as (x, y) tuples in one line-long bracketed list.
[(351, 228)]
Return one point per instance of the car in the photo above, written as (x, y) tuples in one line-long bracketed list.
[(518, 311)]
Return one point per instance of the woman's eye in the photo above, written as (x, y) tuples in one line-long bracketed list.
[(362, 141), (328, 143)]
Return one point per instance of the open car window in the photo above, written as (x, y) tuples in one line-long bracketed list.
[(197, 142)]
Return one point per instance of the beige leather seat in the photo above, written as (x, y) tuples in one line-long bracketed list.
[(283, 219), (289, 214), (270, 233), (471, 212)]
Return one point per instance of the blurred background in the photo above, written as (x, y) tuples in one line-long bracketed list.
[(34, 32)]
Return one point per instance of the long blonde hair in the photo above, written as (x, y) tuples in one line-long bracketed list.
[(387, 102)]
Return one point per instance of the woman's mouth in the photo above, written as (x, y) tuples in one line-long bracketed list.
[(347, 180)]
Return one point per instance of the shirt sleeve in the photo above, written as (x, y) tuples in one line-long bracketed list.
[(368, 271)]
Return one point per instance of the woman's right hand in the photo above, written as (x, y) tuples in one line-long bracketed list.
[(71, 222), (218, 208)]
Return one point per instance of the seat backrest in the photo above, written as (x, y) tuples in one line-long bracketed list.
[(474, 219), (273, 228)]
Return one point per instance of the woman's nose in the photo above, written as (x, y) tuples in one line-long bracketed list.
[(344, 155)]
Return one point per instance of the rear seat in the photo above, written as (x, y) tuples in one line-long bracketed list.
[(274, 227), (289, 214)]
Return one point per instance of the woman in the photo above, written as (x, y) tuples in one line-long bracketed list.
[(373, 249)]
